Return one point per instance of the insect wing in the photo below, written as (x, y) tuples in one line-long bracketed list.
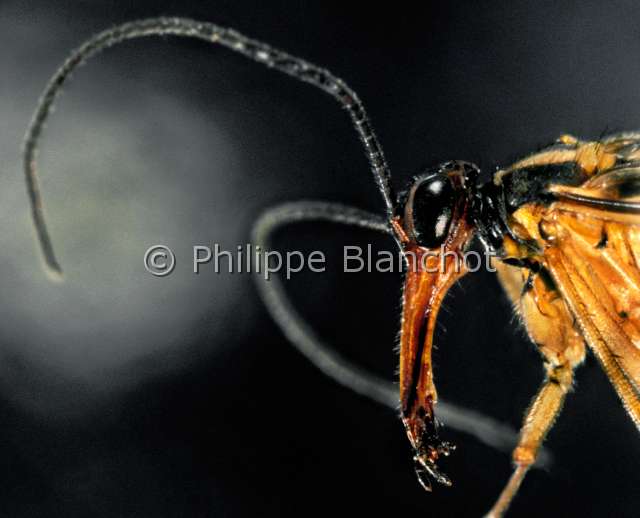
[(594, 259)]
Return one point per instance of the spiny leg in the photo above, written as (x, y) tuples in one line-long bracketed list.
[(539, 419)]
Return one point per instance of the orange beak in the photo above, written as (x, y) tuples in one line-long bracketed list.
[(430, 274)]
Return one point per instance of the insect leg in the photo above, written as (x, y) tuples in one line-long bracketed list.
[(551, 327), (323, 356), (538, 421)]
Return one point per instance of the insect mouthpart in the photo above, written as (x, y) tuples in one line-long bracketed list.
[(422, 430), (426, 468)]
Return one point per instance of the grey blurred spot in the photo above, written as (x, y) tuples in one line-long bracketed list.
[(125, 165)]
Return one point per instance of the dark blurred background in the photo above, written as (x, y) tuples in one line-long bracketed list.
[(125, 395)]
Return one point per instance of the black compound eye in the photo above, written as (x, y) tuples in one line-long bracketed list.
[(429, 210)]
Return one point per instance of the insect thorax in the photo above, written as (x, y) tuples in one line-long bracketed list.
[(520, 193)]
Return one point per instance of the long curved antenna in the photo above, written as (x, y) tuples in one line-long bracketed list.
[(331, 363), (253, 49)]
